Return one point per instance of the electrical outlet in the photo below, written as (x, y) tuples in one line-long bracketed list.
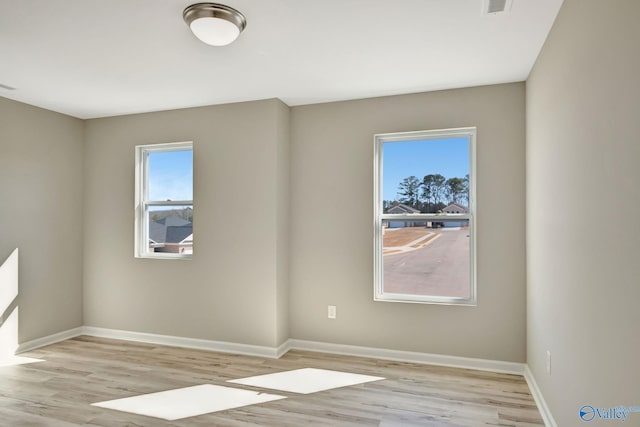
[(548, 362), (331, 312)]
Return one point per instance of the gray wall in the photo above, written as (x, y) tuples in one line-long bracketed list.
[(41, 214), (332, 232), (583, 205), (233, 287)]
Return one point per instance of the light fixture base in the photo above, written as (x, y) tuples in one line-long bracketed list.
[(211, 22)]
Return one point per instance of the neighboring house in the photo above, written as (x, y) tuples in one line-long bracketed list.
[(186, 246), (171, 234), (455, 208), (401, 208)]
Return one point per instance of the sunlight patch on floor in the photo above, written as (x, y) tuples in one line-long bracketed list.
[(17, 360), (188, 402), (305, 381)]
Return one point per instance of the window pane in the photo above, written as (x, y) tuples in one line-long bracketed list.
[(170, 175), (425, 176), (427, 258), (171, 229)]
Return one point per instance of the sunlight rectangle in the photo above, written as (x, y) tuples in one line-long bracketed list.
[(8, 310), (188, 402), (9, 336), (8, 281), (306, 380)]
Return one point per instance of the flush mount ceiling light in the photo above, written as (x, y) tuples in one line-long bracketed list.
[(214, 24)]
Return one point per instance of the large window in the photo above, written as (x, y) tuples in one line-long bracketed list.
[(424, 249), (164, 200)]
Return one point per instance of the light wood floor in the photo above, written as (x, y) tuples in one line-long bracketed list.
[(84, 370)]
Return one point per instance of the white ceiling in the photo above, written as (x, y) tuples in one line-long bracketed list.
[(96, 58)]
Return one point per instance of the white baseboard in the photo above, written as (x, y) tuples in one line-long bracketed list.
[(201, 344), (410, 356), (277, 352), (283, 348), (49, 339), (545, 412)]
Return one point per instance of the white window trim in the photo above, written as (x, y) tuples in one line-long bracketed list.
[(378, 263), (142, 203)]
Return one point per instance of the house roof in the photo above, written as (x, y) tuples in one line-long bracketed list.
[(455, 206), (178, 234), (402, 208), (171, 229), (173, 221)]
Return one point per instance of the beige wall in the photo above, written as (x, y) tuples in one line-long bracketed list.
[(232, 288), (332, 228), (41, 214), (583, 206), (283, 217), (270, 193), (261, 189)]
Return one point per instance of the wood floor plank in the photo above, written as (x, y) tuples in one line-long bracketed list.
[(84, 370)]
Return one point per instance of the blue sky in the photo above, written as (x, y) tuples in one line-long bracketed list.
[(448, 157), (171, 175)]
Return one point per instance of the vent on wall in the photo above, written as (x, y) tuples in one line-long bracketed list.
[(492, 7)]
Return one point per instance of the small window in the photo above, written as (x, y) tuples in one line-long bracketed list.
[(424, 207), (164, 200)]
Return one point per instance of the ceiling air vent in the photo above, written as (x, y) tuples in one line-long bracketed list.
[(491, 7)]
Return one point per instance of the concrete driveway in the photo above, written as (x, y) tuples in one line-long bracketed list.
[(440, 269)]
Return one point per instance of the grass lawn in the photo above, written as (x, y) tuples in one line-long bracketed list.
[(404, 236)]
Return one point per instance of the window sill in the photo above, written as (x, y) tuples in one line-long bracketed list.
[(165, 256), (415, 299)]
